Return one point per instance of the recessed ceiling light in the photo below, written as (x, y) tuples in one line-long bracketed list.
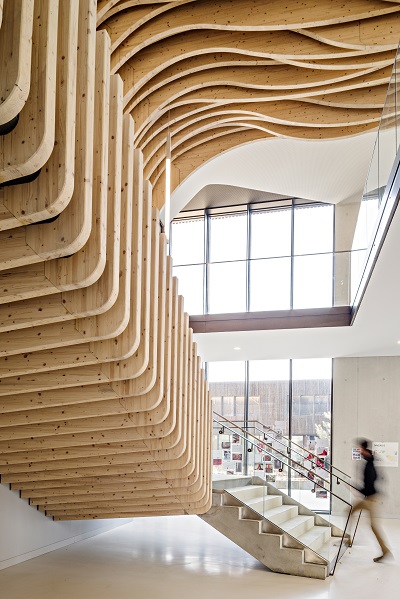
[(239, 347), (398, 342)]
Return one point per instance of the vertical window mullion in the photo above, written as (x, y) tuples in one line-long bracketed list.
[(333, 255), (207, 258), (292, 257), (248, 258), (246, 415), (290, 412)]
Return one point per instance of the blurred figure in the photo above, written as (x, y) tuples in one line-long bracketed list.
[(370, 498)]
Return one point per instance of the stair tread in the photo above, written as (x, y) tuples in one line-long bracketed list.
[(292, 522), (329, 550), (245, 488), (314, 533), (278, 510), (258, 499)]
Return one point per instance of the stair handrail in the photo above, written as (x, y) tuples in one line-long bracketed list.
[(289, 442), (244, 435), (289, 449), (273, 452)]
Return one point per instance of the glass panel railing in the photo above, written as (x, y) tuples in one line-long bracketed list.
[(274, 504), (311, 466), (229, 458), (378, 200)]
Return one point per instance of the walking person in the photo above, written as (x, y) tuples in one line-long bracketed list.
[(368, 503)]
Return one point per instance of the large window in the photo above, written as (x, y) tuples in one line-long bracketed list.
[(189, 259), (289, 398), (227, 387), (274, 256)]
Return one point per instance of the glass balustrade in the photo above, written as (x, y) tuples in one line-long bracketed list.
[(379, 200), (252, 449)]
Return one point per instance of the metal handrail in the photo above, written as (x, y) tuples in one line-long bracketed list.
[(289, 442), (272, 454)]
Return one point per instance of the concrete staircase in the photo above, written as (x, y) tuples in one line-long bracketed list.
[(281, 533)]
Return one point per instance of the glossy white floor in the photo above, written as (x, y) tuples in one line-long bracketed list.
[(183, 557)]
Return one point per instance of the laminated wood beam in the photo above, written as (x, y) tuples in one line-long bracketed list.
[(48, 489), (190, 506), (16, 55), (70, 231), (101, 252), (189, 52), (200, 410), (198, 398), (145, 392), (134, 338), (141, 363), (162, 442), (376, 31), (23, 152), (169, 438), (50, 191), (62, 446), (253, 17)]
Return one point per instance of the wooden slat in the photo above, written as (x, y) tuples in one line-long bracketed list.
[(16, 54), (134, 338), (100, 253), (24, 151), (69, 232), (50, 191)]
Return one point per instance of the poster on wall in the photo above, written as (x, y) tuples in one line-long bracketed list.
[(321, 493), (386, 453), (355, 453), (217, 457)]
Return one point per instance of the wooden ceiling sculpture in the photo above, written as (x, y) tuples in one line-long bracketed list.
[(220, 73), (105, 411), (104, 408)]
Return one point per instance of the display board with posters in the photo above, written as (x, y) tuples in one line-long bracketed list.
[(386, 453)]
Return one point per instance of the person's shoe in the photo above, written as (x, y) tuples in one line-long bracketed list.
[(382, 557)]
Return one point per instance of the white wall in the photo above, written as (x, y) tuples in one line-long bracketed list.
[(328, 171), (26, 533), (366, 403)]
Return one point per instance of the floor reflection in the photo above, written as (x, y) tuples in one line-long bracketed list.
[(165, 558)]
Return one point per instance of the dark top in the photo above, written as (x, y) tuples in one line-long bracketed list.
[(369, 477)]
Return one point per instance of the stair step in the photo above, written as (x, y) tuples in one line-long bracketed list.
[(316, 537), (264, 504), (319, 552), (249, 492), (298, 525), (330, 549), (282, 513)]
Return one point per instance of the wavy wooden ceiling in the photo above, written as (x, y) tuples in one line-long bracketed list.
[(217, 74)]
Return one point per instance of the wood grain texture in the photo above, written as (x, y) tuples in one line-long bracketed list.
[(15, 56), (100, 381), (185, 64), (104, 409)]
